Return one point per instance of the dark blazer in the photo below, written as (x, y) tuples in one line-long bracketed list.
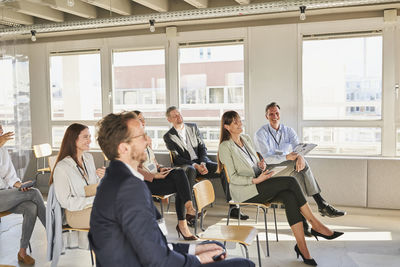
[(123, 226), (178, 148)]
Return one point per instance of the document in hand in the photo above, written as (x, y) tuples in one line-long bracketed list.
[(304, 148)]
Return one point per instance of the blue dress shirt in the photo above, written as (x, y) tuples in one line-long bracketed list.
[(273, 144)]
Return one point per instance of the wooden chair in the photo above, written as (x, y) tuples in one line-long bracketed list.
[(41, 152), (241, 234), (161, 199), (264, 207), (5, 213), (67, 228)]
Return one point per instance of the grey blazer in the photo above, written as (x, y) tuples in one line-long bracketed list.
[(239, 170)]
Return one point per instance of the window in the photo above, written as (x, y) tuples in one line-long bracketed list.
[(75, 86), (211, 84), (340, 73), (139, 82), (342, 81), (75, 92), (15, 101)]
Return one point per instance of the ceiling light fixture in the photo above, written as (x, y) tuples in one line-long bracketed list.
[(33, 35), (152, 27), (303, 12)]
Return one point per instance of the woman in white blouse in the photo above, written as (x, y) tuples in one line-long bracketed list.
[(75, 176)]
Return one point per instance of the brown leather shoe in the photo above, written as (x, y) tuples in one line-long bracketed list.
[(28, 260)]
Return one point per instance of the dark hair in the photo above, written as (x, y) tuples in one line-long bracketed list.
[(271, 105), (68, 145), (227, 118), (137, 112), (113, 130), (169, 110)]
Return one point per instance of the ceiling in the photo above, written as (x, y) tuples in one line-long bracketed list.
[(20, 17)]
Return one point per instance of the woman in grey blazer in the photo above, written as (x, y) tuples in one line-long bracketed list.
[(250, 181)]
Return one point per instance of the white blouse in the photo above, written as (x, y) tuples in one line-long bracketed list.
[(8, 176), (69, 185)]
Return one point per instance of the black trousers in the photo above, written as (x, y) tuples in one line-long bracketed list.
[(284, 189), (212, 167), (175, 182)]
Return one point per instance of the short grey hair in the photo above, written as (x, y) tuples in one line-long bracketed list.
[(169, 110)]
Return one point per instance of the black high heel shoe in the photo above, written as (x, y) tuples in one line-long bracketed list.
[(192, 237), (329, 237), (311, 261)]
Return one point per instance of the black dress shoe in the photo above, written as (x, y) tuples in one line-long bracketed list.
[(235, 214), (330, 211), (190, 219)]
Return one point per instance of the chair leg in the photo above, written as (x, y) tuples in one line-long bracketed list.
[(276, 227), (258, 250), (266, 230), (246, 250), (169, 202), (229, 214), (162, 208), (258, 208), (195, 221), (30, 248), (201, 221), (91, 254)]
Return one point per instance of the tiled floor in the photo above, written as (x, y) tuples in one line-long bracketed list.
[(372, 238)]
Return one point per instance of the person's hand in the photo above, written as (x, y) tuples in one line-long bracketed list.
[(19, 184), (163, 169), (300, 163), (201, 248), (101, 171), (205, 252), (6, 137), (263, 176), (161, 174), (201, 168), (292, 156), (262, 165)]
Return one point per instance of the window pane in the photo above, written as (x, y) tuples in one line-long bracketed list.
[(57, 133), (6, 90), (211, 81), (344, 141), (139, 82), (75, 82), (342, 79), (156, 133)]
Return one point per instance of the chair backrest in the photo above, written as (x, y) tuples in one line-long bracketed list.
[(52, 161), (228, 179), (42, 150), (203, 194)]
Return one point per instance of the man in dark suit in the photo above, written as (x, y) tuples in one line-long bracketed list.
[(188, 150), (123, 222)]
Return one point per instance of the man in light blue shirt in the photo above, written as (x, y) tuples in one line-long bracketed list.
[(276, 142)]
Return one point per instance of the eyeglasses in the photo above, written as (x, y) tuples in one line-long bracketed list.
[(137, 136)]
